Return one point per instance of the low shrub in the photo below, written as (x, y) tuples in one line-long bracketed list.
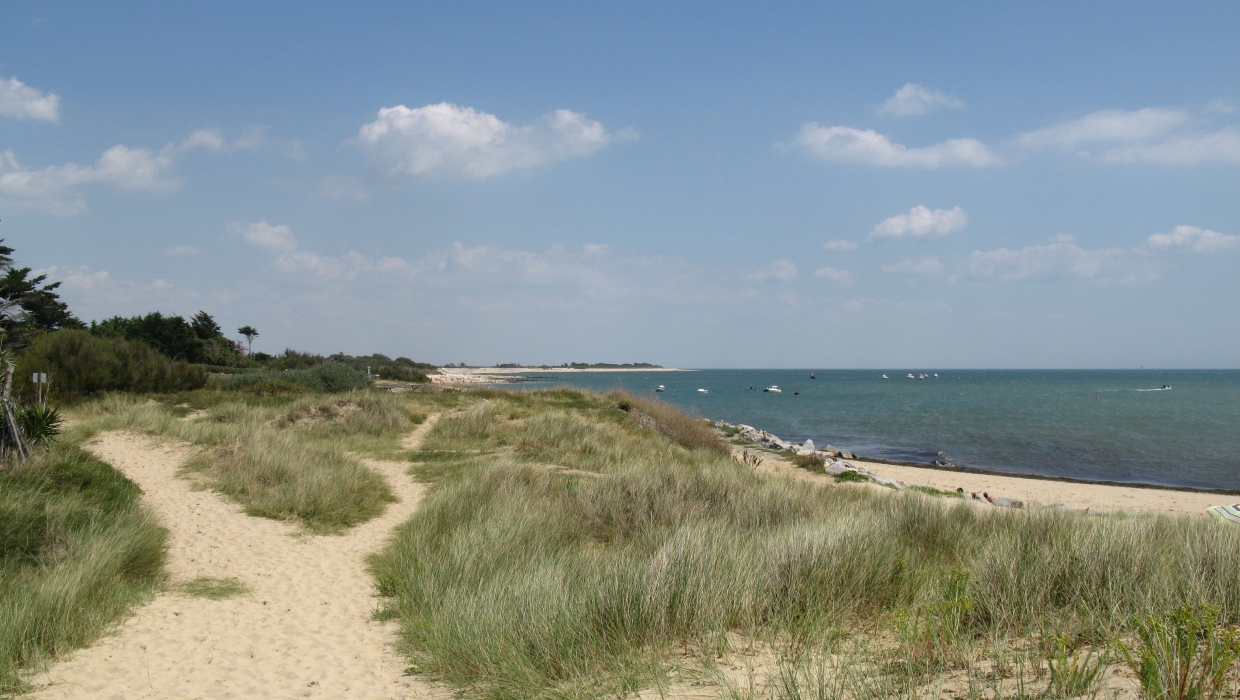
[(80, 364), (328, 377)]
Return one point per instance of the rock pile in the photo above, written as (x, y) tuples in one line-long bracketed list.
[(832, 458)]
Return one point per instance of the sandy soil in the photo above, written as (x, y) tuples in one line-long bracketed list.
[(1034, 492), (303, 630)]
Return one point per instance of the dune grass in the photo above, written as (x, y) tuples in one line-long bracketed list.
[(569, 544), (282, 456), (212, 588), (77, 553)]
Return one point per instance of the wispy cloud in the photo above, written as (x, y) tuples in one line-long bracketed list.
[(1195, 239), (1152, 135), (55, 189), (449, 140), (832, 274), (182, 251), (1062, 259), (913, 99), (868, 147), (1108, 125), (927, 265), (781, 269), (840, 246), (921, 222), (277, 238), (20, 101)]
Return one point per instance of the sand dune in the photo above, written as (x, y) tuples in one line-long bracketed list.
[(303, 630)]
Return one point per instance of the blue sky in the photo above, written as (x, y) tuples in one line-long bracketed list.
[(709, 185)]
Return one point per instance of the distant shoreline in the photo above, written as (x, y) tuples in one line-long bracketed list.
[(512, 375)]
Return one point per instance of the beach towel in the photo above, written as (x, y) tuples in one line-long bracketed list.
[(1229, 514)]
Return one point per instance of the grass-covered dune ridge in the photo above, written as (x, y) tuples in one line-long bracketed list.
[(286, 457), (569, 542), (77, 552)]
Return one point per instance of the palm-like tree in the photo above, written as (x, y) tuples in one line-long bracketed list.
[(250, 334)]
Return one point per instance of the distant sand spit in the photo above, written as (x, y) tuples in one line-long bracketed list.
[(303, 630)]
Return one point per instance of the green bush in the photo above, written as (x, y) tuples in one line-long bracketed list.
[(77, 552), (329, 377), (1184, 655), (80, 364)]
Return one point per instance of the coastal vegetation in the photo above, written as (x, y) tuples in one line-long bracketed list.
[(574, 546), (77, 552)]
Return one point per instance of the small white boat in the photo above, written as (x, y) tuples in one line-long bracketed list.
[(659, 388), (922, 377), (886, 377), (911, 377), (703, 391), (936, 374), (773, 389)]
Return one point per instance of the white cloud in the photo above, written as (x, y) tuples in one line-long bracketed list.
[(264, 235), (832, 274), (781, 269), (839, 246), (1107, 125), (847, 145), (913, 99), (920, 222), (1061, 259), (21, 101), (1195, 239), (1222, 146), (446, 139), (55, 189), (98, 289), (928, 265), (184, 250)]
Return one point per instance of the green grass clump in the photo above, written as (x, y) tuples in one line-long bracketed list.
[(850, 477), (77, 552), (212, 588), (516, 578)]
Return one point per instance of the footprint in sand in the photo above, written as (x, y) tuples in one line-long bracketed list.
[(304, 630)]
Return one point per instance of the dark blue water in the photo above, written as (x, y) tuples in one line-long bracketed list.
[(1089, 424)]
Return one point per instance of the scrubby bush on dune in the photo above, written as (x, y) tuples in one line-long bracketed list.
[(77, 552), (80, 364), (326, 377)]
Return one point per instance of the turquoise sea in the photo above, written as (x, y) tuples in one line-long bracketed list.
[(1087, 424)]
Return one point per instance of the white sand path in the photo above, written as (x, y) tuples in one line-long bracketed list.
[(304, 629)]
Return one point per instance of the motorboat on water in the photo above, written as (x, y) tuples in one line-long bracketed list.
[(911, 376), (659, 388), (702, 391), (811, 376), (773, 389), (886, 377), (922, 377)]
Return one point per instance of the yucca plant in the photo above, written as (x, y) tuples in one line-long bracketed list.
[(40, 423)]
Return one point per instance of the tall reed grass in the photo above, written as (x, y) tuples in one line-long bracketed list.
[(77, 552), (517, 577)]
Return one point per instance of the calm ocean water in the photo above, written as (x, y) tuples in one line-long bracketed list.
[(1088, 424)]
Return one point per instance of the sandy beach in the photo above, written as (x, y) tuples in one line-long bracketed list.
[(1095, 498), (507, 375)]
